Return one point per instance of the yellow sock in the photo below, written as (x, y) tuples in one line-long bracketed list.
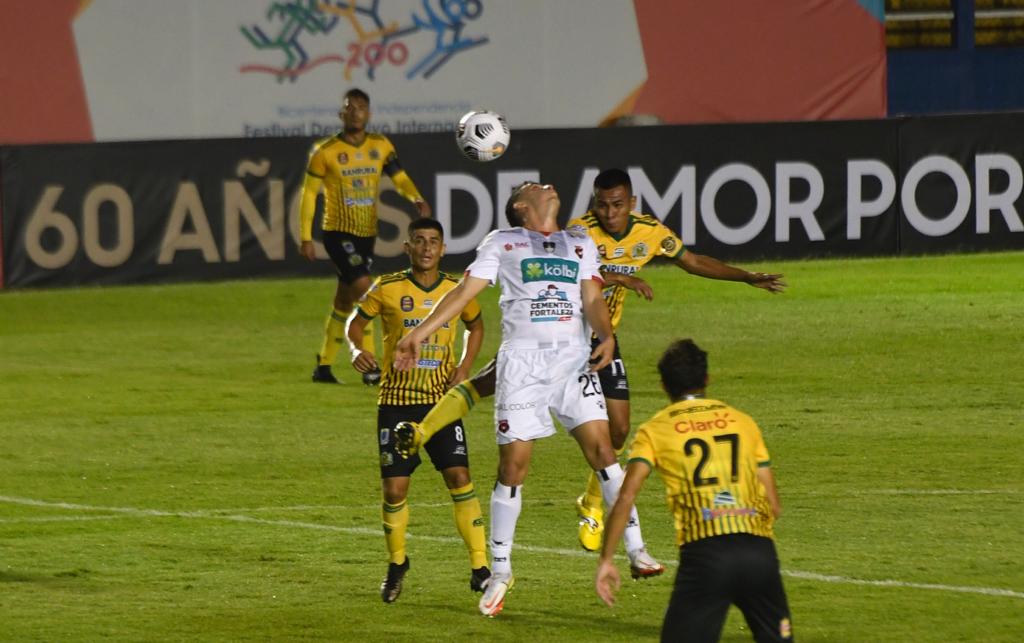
[(396, 521), (470, 523), (334, 336), (455, 404), (592, 497)]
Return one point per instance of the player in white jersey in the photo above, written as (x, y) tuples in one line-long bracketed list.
[(551, 298)]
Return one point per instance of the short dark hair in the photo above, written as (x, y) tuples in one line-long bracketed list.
[(514, 219), (424, 223), (683, 367), (356, 93), (613, 178)]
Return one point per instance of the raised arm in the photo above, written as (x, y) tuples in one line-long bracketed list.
[(711, 268), (408, 349)]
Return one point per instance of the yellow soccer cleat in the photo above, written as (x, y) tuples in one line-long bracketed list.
[(591, 525)]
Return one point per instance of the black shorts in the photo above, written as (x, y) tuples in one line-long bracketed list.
[(447, 448), (714, 573), (613, 378), (352, 255)]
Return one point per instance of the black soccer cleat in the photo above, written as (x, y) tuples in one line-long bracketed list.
[(372, 378), (391, 587), (478, 579), (408, 439), (322, 373)]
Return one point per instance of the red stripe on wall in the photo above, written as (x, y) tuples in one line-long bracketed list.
[(40, 79), (761, 61)]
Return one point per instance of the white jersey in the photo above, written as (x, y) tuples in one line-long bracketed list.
[(540, 277)]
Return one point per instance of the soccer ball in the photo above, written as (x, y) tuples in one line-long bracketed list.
[(482, 135)]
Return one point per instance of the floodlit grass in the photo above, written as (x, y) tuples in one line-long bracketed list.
[(167, 471)]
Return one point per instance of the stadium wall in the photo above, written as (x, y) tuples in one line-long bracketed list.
[(111, 213)]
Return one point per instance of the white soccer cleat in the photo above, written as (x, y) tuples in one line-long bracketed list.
[(643, 565), (494, 595)]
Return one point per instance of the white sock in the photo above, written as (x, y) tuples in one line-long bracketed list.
[(506, 503), (611, 479)]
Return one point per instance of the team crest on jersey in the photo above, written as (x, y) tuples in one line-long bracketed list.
[(508, 247), (549, 246), (601, 250), (579, 251), (503, 426), (639, 250), (343, 158), (374, 155), (407, 304), (618, 252), (668, 244)]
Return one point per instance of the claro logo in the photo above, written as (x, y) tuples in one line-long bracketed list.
[(695, 426)]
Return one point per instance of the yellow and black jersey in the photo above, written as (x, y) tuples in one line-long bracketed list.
[(350, 176), (707, 453), (402, 303), (644, 239)]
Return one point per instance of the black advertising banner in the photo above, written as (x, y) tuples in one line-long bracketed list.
[(962, 186), (220, 209)]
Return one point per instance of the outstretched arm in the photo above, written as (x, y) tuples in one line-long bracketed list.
[(607, 579), (711, 268), (408, 349)]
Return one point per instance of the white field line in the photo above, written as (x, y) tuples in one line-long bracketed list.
[(365, 531), (30, 519)]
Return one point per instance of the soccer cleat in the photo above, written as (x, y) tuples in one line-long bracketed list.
[(643, 565), (591, 525), (372, 378), (493, 599), (408, 439), (322, 373), (391, 587), (479, 579)]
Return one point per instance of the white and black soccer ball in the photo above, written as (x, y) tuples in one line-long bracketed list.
[(482, 135)]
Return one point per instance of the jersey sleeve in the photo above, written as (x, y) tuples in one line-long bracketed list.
[(488, 258), (315, 172), (393, 168), (642, 448), (590, 267), (372, 302), (669, 245)]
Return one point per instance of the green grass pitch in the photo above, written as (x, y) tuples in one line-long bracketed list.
[(168, 472)]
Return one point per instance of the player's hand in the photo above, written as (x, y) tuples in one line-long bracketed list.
[(602, 355), (424, 209), (607, 581), (770, 282), (640, 287), (364, 361), (307, 250), (460, 374), (407, 351)]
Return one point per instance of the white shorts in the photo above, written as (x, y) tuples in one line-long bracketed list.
[(534, 384)]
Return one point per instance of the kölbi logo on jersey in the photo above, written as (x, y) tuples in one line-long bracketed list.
[(549, 270)]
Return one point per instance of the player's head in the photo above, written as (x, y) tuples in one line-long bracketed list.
[(355, 110), (425, 245), (684, 368), (613, 200), (531, 199)]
